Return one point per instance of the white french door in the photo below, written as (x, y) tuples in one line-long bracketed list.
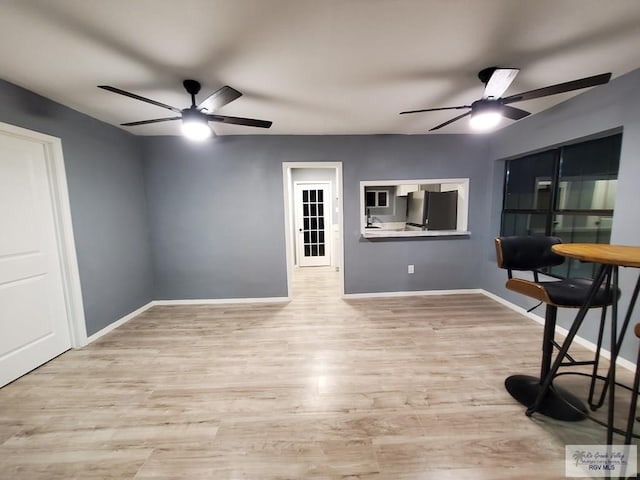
[(34, 326), (313, 224)]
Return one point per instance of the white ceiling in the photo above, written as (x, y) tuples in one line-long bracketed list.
[(310, 66)]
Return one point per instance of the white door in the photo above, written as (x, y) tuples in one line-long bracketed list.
[(313, 224), (33, 316)]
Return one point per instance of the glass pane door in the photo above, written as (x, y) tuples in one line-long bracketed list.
[(313, 248), (313, 222)]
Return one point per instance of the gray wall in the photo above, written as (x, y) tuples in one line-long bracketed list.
[(161, 218), (108, 206), (610, 106), (217, 213), (440, 263)]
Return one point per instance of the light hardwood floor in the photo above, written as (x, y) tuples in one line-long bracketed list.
[(319, 388)]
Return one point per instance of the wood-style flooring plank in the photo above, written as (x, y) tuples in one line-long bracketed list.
[(394, 388)]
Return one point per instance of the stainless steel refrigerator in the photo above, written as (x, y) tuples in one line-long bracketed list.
[(433, 210)]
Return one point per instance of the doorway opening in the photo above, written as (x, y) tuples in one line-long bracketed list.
[(313, 221)]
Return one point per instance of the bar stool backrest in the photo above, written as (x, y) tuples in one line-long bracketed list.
[(527, 252)]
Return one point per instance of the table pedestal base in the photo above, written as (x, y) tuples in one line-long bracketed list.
[(525, 389)]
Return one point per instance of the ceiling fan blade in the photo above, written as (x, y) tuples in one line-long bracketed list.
[(138, 97), (559, 88), (155, 120), (500, 80), (460, 107), (449, 121), (220, 97), (249, 122), (513, 113)]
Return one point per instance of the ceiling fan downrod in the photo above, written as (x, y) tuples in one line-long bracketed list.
[(192, 87)]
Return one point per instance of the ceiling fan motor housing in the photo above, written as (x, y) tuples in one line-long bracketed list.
[(485, 74), (192, 86), (485, 105), (194, 115)]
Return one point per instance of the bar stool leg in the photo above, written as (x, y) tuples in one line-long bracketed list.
[(596, 365), (603, 272), (625, 324), (558, 403), (634, 399), (614, 357)]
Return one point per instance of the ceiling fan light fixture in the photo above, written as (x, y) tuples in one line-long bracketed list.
[(484, 121), (195, 128), (485, 115)]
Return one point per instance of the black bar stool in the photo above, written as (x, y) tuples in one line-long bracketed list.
[(532, 254)]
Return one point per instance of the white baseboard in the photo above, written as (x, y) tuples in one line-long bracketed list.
[(221, 301), (119, 322), (412, 293), (623, 362), (153, 303)]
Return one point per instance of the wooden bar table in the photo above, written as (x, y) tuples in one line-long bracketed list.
[(610, 258)]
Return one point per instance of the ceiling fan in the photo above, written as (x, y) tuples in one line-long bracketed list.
[(487, 112), (196, 118)]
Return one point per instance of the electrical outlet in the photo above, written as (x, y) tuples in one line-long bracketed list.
[(410, 269)]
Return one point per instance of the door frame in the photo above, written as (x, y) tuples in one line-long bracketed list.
[(328, 230), (289, 212), (57, 178)]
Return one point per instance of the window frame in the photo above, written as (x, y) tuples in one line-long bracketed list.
[(402, 188), (377, 194), (552, 211)]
